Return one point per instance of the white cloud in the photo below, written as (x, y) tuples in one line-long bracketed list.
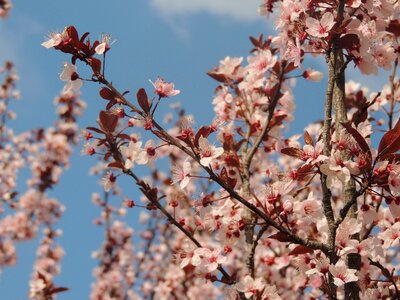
[(241, 10)]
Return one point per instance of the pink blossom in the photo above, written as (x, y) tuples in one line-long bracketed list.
[(134, 154), (208, 152), (313, 75), (108, 181), (210, 259), (181, 174), (56, 39), (230, 67), (261, 62), (342, 274), (104, 46), (189, 256), (250, 287), (320, 28), (71, 77), (164, 89)]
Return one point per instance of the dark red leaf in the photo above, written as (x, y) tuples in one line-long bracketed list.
[(281, 237), (73, 34), (290, 67), (83, 47), (254, 41), (107, 94), (294, 152), (111, 104), (95, 64), (394, 27), (390, 142), (231, 182), (277, 119), (95, 130), (349, 41), (304, 171), (143, 100), (108, 122), (83, 37), (204, 131), (308, 139), (57, 290), (124, 136), (217, 76), (360, 141), (301, 250), (116, 164), (277, 69)]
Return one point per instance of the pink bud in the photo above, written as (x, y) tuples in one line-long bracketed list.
[(313, 75), (288, 206)]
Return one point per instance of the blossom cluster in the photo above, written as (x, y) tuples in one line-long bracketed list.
[(243, 211), (226, 193)]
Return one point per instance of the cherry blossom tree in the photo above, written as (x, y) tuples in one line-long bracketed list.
[(242, 211)]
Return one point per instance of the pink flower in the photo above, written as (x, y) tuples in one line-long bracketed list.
[(210, 259), (71, 77), (320, 28), (230, 67), (181, 174), (134, 154), (208, 152), (342, 274), (261, 62), (294, 52), (104, 46), (250, 287), (313, 75), (164, 89), (108, 181), (189, 256), (56, 39)]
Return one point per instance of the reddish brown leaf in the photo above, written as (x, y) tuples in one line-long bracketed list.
[(290, 67), (304, 171), (360, 141), (301, 250), (107, 94), (124, 136), (95, 130), (281, 237), (254, 41), (116, 164), (308, 139), (57, 290), (217, 76), (390, 142), (394, 27), (143, 100), (84, 36), (230, 182), (111, 104), (294, 152), (349, 41), (108, 122), (95, 64), (204, 131), (73, 34), (277, 120)]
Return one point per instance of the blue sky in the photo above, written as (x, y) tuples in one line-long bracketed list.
[(179, 40)]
